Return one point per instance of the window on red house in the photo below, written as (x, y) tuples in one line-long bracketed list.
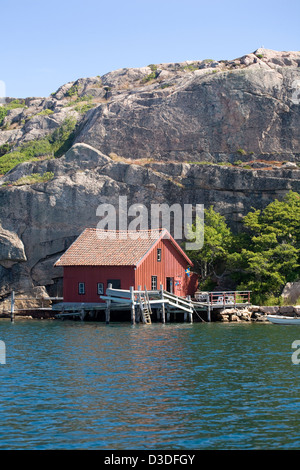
[(100, 288), (153, 282), (81, 288)]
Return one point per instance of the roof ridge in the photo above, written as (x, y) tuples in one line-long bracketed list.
[(126, 230)]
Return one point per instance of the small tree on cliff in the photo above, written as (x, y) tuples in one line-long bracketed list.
[(210, 261)]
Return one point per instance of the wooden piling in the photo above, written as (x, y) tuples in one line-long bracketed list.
[(107, 310), (191, 306), (82, 314), (12, 307), (132, 306), (208, 314), (163, 313), (138, 312), (168, 315)]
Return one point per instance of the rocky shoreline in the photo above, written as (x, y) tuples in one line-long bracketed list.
[(255, 313)]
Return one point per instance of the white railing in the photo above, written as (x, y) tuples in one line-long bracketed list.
[(156, 297), (226, 299)]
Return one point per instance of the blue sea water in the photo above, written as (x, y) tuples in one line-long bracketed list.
[(87, 385)]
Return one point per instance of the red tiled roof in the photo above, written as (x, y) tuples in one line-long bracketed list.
[(96, 247)]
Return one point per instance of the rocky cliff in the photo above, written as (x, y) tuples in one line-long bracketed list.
[(223, 133)]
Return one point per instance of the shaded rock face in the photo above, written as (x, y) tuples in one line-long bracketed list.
[(11, 248), (147, 137)]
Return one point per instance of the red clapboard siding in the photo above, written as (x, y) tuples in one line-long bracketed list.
[(91, 275), (172, 264)]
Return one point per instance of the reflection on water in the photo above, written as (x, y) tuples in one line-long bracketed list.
[(74, 385)]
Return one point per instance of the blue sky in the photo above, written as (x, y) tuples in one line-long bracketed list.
[(48, 43)]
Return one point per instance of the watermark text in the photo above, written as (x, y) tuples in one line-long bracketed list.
[(183, 222)]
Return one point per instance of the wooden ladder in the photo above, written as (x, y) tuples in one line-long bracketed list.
[(145, 308)]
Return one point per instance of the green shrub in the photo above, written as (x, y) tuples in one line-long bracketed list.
[(79, 99), (241, 151), (166, 85), (34, 178), (5, 148), (148, 78), (3, 113), (15, 104), (72, 91), (83, 108), (56, 144), (62, 138), (191, 67), (36, 148), (45, 112), (7, 107), (153, 67), (10, 160)]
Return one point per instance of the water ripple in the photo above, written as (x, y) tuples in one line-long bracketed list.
[(74, 385)]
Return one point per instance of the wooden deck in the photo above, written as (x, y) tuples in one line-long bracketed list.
[(141, 304)]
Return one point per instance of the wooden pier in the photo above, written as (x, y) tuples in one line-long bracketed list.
[(22, 306), (159, 304)]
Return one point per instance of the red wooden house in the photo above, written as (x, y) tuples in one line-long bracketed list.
[(95, 259)]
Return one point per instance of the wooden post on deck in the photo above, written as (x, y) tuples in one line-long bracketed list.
[(138, 312), (107, 310), (190, 314), (12, 307), (208, 313), (132, 306), (168, 315), (163, 313), (82, 314)]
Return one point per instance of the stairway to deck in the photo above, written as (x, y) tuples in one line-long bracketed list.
[(145, 307)]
